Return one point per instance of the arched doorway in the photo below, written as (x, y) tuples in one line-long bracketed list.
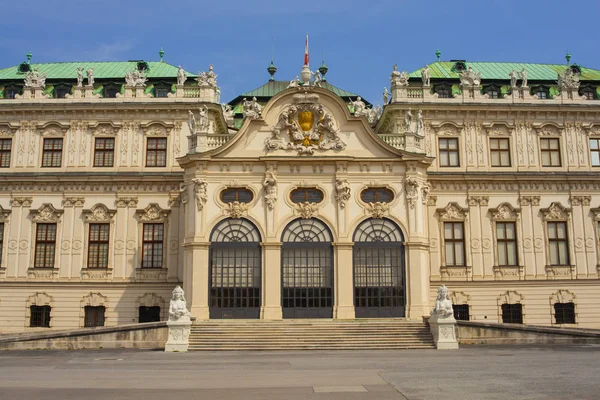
[(307, 270), (235, 270), (379, 270)]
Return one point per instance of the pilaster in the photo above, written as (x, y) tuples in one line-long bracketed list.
[(195, 278), (343, 307), (417, 280), (271, 281)]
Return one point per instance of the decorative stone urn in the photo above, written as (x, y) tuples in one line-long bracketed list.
[(442, 322), (305, 74), (179, 323)]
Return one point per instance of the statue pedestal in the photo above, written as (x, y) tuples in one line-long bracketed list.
[(78, 92), (207, 93), (178, 92), (139, 92), (89, 92), (442, 329), (398, 92), (179, 334)]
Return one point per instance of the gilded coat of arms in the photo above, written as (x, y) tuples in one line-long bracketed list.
[(305, 126)]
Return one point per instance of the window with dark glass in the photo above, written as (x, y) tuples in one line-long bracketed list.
[(588, 92), (5, 148), (377, 195), (45, 245), (449, 152), (443, 91), (541, 92), (98, 246), (512, 313), (161, 92), (40, 316), (61, 91), (595, 152), (11, 92), (564, 313), (461, 312), (550, 148), (454, 240), (94, 316), (148, 314), (506, 237), (156, 152), (111, 91), (104, 152), (558, 243), (493, 92), (308, 194), (500, 152), (152, 246), (52, 152), (241, 195)]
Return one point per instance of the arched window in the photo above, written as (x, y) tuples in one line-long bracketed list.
[(443, 91), (542, 92), (239, 194), (377, 194), (235, 270), (307, 270), (379, 270), (306, 195), (589, 92)]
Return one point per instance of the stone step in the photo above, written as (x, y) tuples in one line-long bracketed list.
[(316, 347)]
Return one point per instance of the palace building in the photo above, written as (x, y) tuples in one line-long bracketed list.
[(121, 180)]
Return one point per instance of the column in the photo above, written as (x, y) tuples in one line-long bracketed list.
[(271, 281), (343, 307), (417, 279), (195, 278)]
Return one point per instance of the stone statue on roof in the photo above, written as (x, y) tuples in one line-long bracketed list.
[(420, 125), (513, 78), (426, 76), (294, 82), (568, 79), (207, 78), (181, 76), (227, 114), (192, 122), (399, 78), (470, 78), (523, 76), (318, 79), (251, 109), (386, 96), (90, 76), (203, 121), (359, 106), (35, 78), (408, 117), (135, 78), (80, 76)]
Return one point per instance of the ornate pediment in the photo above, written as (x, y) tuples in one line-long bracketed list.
[(505, 212), (156, 130), (453, 211), (46, 213), (447, 129), (556, 212), (510, 297), (563, 296), (548, 130), (305, 126), (152, 213), (499, 130), (104, 130), (98, 213), (53, 129), (7, 129)]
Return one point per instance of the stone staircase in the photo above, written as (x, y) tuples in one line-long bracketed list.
[(363, 334)]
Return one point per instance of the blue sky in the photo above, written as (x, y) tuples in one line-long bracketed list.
[(361, 40)]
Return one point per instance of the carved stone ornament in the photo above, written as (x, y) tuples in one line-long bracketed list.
[(453, 211), (529, 200), (152, 213), (46, 213), (270, 187), (499, 130), (581, 200), (305, 127), (568, 80), (127, 202), (73, 201), (94, 300), (237, 209), (307, 210), (563, 296), (200, 191), (4, 214), (98, 213), (342, 192), (425, 190), (548, 130), (411, 186), (470, 78), (378, 209), (104, 130), (505, 212), (556, 212), (510, 297), (459, 297)]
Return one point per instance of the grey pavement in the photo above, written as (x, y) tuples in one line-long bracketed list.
[(473, 372)]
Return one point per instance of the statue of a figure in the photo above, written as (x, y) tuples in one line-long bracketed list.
[(386, 96), (177, 307), (513, 78), (426, 75), (217, 94), (270, 185), (359, 106), (211, 77), (203, 121), (470, 78), (420, 126), (342, 191), (523, 76), (251, 109), (90, 76), (79, 76), (443, 304), (181, 76), (192, 122), (408, 119), (294, 82), (201, 192), (373, 114), (318, 79), (568, 80), (395, 74), (227, 114), (35, 79)]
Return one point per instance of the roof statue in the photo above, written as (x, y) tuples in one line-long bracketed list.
[(470, 78), (373, 114), (294, 82), (426, 76), (513, 78), (408, 119), (80, 76), (359, 106), (523, 76), (386, 96), (420, 125), (192, 121), (227, 114), (251, 108), (568, 80), (181, 76), (318, 79), (207, 78), (35, 79), (135, 78), (90, 76), (399, 78), (217, 94)]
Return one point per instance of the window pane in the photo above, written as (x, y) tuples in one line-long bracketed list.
[(561, 230), (458, 231), (595, 158), (453, 159), (594, 144), (448, 230), (563, 253), (449, 253), (459, 253), (500, 228), (502, 254), (554, 260), (511, 249), (453, 144), (510, 230), (444, 160)]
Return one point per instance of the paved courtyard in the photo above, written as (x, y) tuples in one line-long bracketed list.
[(473, 372)]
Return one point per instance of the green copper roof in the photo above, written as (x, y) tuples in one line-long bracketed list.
[(271, 88), (102, 70), (500, 71)]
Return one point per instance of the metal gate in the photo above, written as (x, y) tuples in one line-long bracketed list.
[(379, 270), (235, 270), (307, 270)]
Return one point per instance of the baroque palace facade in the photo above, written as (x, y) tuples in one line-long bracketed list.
[(121, 180)]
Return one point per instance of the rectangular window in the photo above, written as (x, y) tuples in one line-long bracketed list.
[(550, 152), (52, 154), (512, 313), (40, 316), (94, 316), (500, 152), (559, 243), (564, 313), (104, 152), (149, 314), (5, 147), (156, 152), (45, 245), (454, 240), (98, 246), (506, 237), (162, 92), (595, 152), (449, 152), (461, 312), (152, 246)]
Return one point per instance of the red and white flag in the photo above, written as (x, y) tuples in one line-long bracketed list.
[(306, 51)]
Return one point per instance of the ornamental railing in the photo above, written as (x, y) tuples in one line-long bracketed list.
[(395, 140)]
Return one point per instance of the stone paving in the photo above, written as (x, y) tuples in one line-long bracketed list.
[(473, 372)]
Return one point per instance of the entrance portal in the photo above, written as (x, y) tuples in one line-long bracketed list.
[(307, 270), (234, 271), (379, 271)]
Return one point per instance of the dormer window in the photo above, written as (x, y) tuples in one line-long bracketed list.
[(492, 91), (161, 91), (459, 66), (10, 92), (542, 92), (142, 66), (589, 92), (61, 91), (443, 91), (110, 91)]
